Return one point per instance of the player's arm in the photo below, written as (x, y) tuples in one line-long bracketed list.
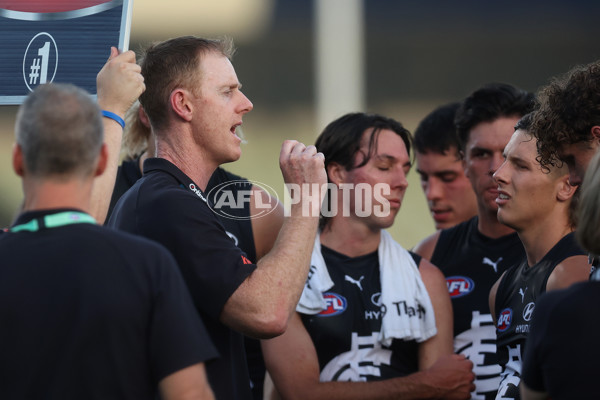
[(442, 343), (189, 383), (292, 362), (426, 247), (530, 394), (119, 84), (571, 270), (262, 305), (492, 298), (265, 228)]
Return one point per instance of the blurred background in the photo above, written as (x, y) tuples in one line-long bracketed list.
[(398, 58)]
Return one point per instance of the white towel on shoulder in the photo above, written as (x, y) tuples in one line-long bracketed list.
[(408, 314)]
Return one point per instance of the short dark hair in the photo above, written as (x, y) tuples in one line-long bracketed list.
[(172, 63), (436, 133), (340, 140), (525, 122), (569, 106), (487, 104)]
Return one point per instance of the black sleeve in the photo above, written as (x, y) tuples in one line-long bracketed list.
[(178, 338)]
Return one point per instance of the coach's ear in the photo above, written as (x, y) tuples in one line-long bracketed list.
[(565, 189), (17, 160), (336, 173), (596, 133), (181, 104)]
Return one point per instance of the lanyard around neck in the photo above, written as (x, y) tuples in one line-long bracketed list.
[(54, 221)]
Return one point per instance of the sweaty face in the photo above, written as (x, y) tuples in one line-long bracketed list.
[(449, 194), (389, 165), (526, 192), (483, 155), (577, 157), (218, 109)]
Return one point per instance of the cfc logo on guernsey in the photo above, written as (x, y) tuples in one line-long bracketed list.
[(336, 304), (459, 286), (504, 319)]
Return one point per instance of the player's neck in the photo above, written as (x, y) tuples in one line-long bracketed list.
[(539, 238), (490, 226), (188, 158), (47, 195), (347, 236)]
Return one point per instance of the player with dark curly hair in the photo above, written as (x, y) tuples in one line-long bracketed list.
[(567, 122)]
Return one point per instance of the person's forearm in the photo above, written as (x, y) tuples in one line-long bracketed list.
[(104, 184), (410, 387), (263, 304)]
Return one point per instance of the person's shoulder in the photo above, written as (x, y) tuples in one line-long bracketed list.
[(426, 246), (124, 239), (221, 176)]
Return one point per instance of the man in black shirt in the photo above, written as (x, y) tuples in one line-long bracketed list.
[(87, 312), (194, 105)]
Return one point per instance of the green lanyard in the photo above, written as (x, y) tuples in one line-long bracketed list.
[(54, 221)]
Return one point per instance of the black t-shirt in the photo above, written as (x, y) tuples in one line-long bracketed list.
[(516, 298), (238, 225), (165, 205), (562, 347), (348, 329), (90, 313), (472, 263)]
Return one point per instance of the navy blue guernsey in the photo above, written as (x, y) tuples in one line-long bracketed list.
[(472, 263), (165, 205), (516, 297), (345, 335)]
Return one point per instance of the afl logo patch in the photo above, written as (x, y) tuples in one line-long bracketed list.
[(504, 319), (459, 286), (336, 304)]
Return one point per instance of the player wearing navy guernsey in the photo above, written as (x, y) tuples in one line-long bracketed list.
[(566, 322), (90, 312), (194, 105), (538, 202), (474, 254), (373, 321), (567, 124)]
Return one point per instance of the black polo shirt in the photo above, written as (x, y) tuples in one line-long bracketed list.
[(91, 313), (167, 206)]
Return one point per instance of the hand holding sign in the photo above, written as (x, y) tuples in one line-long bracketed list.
[(119, 82)]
